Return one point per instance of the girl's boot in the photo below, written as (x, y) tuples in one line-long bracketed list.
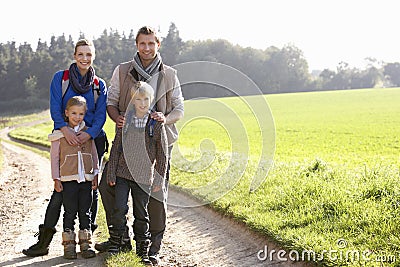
[(69, 243), (85, 237)]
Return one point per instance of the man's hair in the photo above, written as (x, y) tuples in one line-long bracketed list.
[(146, 30), (76, 101), (83, 42)]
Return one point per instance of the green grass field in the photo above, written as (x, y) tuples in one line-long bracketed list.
[(333, 185)]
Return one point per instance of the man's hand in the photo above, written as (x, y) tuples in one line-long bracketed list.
[(113, 113), (159, 116), (120, 121), (58, 185), (70, 136)]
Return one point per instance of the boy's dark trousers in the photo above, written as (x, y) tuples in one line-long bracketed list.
[(157, 210), (140, 194)]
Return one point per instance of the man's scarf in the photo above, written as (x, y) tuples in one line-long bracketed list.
[(145, 74), (85, 84)]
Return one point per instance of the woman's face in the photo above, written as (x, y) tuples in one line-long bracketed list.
[(84, 57)]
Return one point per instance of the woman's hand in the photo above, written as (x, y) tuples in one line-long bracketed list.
[(70, 136), (83, 137)]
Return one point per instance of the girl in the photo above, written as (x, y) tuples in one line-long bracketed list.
[(74, 170)]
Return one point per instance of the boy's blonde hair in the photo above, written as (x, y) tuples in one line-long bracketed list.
[(143, 88)]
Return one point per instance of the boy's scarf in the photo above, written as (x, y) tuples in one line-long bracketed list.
[(84, 85), (145, 74)]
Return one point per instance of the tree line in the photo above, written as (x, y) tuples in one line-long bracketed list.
[(25, 74)]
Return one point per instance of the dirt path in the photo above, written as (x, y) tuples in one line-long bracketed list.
[(194, 236)]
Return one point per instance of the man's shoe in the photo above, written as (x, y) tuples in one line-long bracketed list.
[(154, 260), (103, 246)]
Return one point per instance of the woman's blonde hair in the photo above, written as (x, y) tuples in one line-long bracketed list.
[(83, 42)]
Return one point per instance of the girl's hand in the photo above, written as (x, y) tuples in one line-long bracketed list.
[(58, 186), (95, 182)]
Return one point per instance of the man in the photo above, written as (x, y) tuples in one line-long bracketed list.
[(146, 66)]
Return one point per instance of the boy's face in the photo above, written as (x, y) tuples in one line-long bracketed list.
[(75, 115), (142, 104)]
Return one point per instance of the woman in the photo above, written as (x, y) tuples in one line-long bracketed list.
[(78, 80)]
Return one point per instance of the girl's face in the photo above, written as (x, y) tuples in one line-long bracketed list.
[(142, 104), (84, 57), (75, 115)]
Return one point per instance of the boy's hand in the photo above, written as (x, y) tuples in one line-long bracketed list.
[(58, 185)]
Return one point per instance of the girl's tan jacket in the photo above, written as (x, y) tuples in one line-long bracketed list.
[(75, 163)]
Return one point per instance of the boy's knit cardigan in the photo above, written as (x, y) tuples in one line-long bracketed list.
[(136, 155)]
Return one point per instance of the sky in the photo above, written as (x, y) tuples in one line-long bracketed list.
[(326, 31)]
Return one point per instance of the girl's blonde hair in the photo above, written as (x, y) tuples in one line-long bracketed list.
[(143, 88), (76, 101)]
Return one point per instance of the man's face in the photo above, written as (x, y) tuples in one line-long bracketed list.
[(147, 47)]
